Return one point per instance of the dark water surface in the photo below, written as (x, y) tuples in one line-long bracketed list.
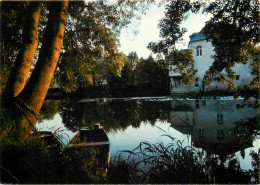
[(204, 124)]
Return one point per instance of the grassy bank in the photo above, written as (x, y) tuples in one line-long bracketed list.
[(32, 161)]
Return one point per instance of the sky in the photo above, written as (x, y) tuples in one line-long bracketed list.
[(148, 31)]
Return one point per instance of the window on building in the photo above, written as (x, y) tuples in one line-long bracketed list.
[(220, 134), (197, 82), (220, 118), (200, 131), (199, 51)]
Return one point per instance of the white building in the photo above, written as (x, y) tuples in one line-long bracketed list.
[(202, 56)]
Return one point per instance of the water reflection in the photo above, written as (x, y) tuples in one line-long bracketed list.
[(210, 123), (113, 115)]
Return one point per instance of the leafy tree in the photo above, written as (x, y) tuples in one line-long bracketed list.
[(255, 164), (184, 65), (22, 97), (153, 74), (94, 43), (129, 78), (133, 58), (11, 25), (128, 75), (234, 33), (171, 32)]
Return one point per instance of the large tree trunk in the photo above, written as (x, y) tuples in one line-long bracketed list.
[(22, 66), (28, 103)]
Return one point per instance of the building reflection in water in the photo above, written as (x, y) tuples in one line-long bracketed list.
[(209, 123)]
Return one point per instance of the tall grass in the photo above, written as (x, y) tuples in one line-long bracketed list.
[(176, 163), (148, 163)]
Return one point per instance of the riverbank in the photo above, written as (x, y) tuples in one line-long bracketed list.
[(33, 162), (102, 92)]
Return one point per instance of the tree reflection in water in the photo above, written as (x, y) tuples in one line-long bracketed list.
[(209, 124), (112, 115)]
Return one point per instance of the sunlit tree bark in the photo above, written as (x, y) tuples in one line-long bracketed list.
[(22, 66), (28, 103)]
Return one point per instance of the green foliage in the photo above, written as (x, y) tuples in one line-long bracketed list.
[(234, 33), (91, 42), (48, 110), (255, 164), (254, 53), (90, 52), (90, 46), (183, 63), (171, 32), (146, 75), (6, 126), (112, 115), (247, 130), (170, 28), (11, 32), (133, 59), (154, 73), (123, 171)]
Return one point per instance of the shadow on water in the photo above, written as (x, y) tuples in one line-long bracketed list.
[(217, 130)]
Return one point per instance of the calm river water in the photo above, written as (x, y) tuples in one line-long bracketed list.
[(203, 124)]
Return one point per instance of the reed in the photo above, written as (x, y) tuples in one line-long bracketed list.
[(177, 163)]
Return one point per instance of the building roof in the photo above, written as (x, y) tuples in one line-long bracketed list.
[(197, 36), (184, 50)]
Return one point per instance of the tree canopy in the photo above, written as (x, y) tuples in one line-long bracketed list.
[(233, 31), (78, 40), (90, 41), (172, 33)]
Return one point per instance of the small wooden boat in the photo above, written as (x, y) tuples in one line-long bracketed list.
[(91, 141)]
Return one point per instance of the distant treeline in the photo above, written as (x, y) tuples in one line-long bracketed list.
[(139, 77)]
